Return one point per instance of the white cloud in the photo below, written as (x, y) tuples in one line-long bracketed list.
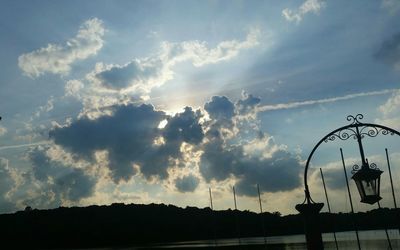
[(73, 88), (3, 131), (312, 6), (198, 53), (57, 59), (291, 105), (390, 111)]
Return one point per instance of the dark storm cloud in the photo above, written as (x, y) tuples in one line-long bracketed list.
[(221, 111), (127, 135), (130, 137), (187, 183), (220, 108), (221, 160), (6, 185), (74, 185), (390, 51), (184, 127), (66, 182), (120, 77), (280, 172)]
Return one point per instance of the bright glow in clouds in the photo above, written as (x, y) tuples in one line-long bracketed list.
[(141, 75), (110, 84), (57, 59), (312, 6)]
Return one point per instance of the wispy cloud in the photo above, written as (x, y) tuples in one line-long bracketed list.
[(291, 105), (313, 6), (57, 59)]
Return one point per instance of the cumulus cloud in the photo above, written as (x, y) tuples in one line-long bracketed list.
[(126, 134), (309, 6), (132, 137), (249, 158), (220, 108), (57, 59), (143, 74), (187, 183), (224, 138), (389, 52)]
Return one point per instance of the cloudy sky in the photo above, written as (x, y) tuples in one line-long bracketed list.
[(158, 101)]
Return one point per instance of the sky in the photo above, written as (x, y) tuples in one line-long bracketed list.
[(160, 101)]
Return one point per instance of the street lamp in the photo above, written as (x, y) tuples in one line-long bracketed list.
[(368, 182), (366, 177)]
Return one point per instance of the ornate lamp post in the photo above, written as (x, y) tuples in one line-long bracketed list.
[(367, 178)]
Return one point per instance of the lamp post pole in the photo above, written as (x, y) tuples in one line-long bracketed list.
[(360, 146)]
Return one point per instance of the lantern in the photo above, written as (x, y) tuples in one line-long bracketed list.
[(368, 184)]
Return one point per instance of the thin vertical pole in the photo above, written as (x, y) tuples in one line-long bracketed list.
[(212, 212), (391, 184), (236, 218), (262, 217), (351, 202), (391, 180), (234, 197), (211, 201), (386, 231), (329, 208)]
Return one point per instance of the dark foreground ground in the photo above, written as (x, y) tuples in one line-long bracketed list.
[(120, 225)]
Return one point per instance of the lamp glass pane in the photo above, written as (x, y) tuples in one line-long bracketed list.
[(360, 189), (369, 187)]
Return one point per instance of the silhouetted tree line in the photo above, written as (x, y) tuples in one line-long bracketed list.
[(133, 224)]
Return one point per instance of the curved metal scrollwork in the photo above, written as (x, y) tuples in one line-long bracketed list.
[(342, 135), (355, 169), (357, 128), (374, 131), (355, 119), (373, 166)]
